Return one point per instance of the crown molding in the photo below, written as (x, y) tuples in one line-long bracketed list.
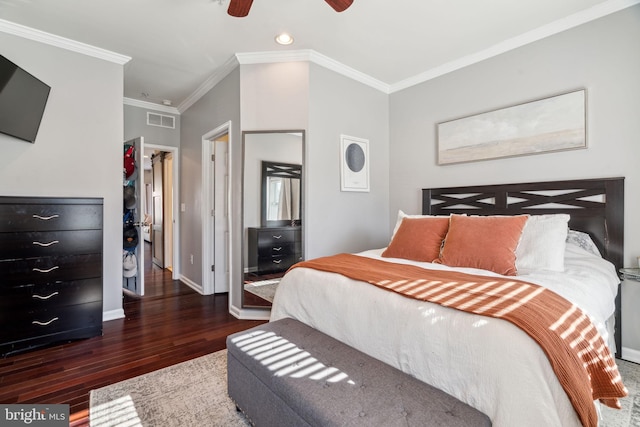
[(151, 106), (315, 57), (61, 42), (210, 83), (270, 57), (583, 17)]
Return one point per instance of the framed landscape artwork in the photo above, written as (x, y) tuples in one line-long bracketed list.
[(550, 124)]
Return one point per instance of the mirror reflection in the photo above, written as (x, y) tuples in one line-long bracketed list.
[(272, 211), (281, 194)]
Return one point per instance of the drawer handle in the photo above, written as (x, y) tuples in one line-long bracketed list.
[(47, 297), (279, 236), (46, 218), (46, 244), (45, 271), (277, 261), (36, 322), (277, 249)]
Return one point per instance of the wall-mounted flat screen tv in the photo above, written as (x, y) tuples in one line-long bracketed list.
[(22, 101)]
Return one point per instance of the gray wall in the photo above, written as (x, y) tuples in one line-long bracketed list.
[(270, 147), (602, 56), (300, 95), (273, 97), (220, 105), (135, 125), (78, 150), (345, 221)]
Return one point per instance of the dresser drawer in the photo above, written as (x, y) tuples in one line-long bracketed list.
[(32, 244), (44, 217), (267, 237), (277, 263), (35, 323), (49, 269), (273, 249), (36, 297), (276, 249)]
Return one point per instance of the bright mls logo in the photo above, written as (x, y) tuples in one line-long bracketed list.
[(34, 415)]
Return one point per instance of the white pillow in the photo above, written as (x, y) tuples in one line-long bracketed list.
[(584, 241), (542, 243)]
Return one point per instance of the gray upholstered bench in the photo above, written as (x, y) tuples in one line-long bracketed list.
[(285, 373)]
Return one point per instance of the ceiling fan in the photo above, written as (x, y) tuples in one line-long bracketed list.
[(240, 8)]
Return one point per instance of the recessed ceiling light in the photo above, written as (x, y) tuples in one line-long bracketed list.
[(284, 39)]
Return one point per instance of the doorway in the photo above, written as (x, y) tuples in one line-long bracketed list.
[(216, 211), (159, 213), (161, 229)]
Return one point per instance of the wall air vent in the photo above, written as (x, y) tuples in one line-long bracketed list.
[(155, 119)]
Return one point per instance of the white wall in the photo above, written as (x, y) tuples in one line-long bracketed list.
[(78, 150), (601, 56)]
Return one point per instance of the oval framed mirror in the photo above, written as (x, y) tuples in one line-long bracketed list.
[(272, 210)]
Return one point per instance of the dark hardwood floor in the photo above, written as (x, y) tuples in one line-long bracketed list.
[(172, 323)]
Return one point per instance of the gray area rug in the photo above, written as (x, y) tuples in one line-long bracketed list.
[(265, 289), (629, 415), (194, 393)]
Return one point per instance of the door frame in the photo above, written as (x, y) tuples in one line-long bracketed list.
[(175, 183), (208, 282)]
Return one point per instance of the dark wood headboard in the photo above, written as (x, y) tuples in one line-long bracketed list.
[(596, 207)]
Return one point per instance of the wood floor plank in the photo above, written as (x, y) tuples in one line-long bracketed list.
[(169, 325)]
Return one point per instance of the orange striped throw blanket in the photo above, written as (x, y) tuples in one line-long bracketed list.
[(577, 353)]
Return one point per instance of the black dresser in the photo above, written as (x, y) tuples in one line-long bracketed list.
[(50, 271), (273, 249)]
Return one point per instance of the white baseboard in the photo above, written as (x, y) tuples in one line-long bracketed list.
[(193, 285), (112, 314), (249, 313), (631, 355)]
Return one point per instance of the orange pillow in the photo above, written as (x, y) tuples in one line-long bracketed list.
[(486, 242), (418, 239)]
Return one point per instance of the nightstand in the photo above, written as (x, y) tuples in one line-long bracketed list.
[(630, 274)]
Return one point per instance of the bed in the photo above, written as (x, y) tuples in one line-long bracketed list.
[(486, 362)]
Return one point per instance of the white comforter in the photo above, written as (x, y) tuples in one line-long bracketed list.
[(488, 363)]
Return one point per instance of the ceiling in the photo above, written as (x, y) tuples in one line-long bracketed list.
[(176, 45)]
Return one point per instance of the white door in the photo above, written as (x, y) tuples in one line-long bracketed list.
[(220, 209), (133, 211)]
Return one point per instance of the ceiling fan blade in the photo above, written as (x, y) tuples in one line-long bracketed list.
[(239, 8), (339, 5)]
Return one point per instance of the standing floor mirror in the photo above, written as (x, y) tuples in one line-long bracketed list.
[(272, 225)]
